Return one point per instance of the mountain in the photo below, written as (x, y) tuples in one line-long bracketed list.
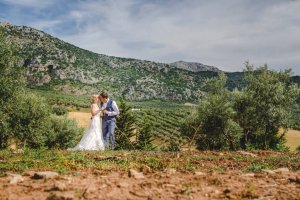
[(53, 64), (194, 67), (56, 65)]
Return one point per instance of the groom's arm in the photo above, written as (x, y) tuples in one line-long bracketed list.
[(116, 110)]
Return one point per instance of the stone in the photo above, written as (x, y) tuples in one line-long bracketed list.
[(58, 186), (15, 178), (135, 174), (146, 169), (248, 175), (199, 173), (268, 171), (247, 153), (123, 184), (45, 174), (29, 173), (171, 171), (61, 196), (281, 170)]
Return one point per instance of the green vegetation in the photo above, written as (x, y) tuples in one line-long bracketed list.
[(165, 117), (59, 110), (25, 117), (67, 162), (145, 139), (249, 118), (126, 128)]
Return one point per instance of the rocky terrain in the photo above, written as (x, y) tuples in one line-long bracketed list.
[(194, 67), (216, 175)]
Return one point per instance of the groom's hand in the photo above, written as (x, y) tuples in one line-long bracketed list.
[(105, 112)]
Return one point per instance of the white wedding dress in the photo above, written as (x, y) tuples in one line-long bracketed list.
[(92, 138)]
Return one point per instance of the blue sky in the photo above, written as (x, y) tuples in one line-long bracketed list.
[(223, 33)]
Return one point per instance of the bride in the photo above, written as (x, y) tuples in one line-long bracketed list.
[(92, 138)]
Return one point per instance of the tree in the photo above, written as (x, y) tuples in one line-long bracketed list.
[(12, 78), (126, 127), (264, 106), (214, 124), (145, 136), (11, 82), (25, 118)]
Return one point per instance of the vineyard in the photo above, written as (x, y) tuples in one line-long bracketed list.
[(166, 117)]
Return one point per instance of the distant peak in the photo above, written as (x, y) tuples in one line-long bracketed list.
[(194, 66), (5, 24)]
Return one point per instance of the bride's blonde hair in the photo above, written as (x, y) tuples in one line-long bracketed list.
[(94, 98)]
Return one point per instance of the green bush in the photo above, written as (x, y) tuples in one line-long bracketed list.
[(218, 130), (29, 123), (249, 118), (145, 136), (5, 130), (59, 110), (29, 119), (64, 133), (174, 145), (125, 129)]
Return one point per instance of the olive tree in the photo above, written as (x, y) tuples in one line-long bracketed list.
[(264, 106)]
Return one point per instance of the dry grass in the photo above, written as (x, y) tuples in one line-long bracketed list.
[(293, 139), (82, 118)]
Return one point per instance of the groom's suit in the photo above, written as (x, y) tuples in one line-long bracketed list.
[(109, 123)]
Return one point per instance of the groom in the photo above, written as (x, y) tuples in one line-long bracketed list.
[(110, 111)]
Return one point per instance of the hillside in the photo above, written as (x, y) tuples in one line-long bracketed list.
[(57, 65)]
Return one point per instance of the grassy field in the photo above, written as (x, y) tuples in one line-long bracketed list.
[(66, 162)]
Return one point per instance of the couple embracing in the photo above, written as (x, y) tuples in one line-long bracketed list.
[(100, 133)]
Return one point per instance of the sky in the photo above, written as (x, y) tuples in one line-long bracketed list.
[(222, 33)]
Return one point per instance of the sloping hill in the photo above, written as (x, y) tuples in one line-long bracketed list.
[(58, 65)]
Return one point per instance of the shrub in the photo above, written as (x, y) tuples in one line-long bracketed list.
[(214, 125), (64, 133), (59, 110), (30, 124), (29, 119), (145, 136), (174, 145), (126, 127), (5, 130)]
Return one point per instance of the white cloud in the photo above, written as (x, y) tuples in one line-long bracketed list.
[(30, 3), (221, 33)]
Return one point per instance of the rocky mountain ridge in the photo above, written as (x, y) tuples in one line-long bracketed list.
[(53, 64), (194, 67)]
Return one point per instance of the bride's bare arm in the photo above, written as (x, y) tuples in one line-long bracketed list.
[(95, 109)]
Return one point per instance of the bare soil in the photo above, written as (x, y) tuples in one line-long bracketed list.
[(170, 184)]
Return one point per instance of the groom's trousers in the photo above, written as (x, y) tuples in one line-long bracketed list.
[(108, 129)]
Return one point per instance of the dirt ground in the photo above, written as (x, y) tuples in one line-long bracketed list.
[(94, 184)]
